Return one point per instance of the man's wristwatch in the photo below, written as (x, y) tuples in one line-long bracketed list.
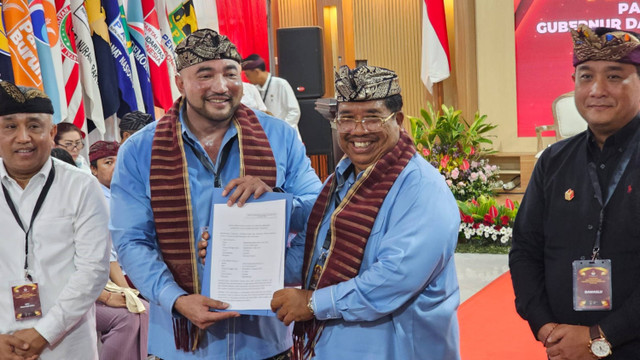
[(599, 346), (310, 305)]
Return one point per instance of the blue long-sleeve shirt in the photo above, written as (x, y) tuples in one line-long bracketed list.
[(403, 302), (133, 231)]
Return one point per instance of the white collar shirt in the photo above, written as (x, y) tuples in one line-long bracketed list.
[(68, 257)]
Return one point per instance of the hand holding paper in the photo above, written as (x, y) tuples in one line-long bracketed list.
[(196, 307)]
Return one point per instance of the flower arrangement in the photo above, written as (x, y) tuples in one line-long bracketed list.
[(485, 222), (453, 146)]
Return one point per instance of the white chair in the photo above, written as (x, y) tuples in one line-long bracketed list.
[(567, 121)]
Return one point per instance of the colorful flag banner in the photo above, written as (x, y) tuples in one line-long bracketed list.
[(88, 66), (135, 22), (53, 33), (157, 57), (45, 55), (107, 73), (22, 44), (6, 70), (182, 19), (168, 46), (70, 66), (120, 55), (435, 44)]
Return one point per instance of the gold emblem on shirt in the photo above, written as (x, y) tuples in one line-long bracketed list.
[(569, 195)]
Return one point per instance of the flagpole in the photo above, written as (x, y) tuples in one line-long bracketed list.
[(438, 94)]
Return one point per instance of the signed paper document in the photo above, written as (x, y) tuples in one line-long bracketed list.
[(247, 253)]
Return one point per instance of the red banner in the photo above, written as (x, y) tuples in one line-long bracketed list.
[(544, 49)]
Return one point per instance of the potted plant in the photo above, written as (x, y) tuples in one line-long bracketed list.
[(454, 147)]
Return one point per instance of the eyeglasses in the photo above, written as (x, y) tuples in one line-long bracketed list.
[(69, 145), (346, 124)]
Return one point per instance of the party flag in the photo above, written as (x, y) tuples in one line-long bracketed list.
[(120, 55), (107, 73), (157, 57), (135, 22), (22, 44), (45, 55), (88, 67), (70, 66), (6, 70)]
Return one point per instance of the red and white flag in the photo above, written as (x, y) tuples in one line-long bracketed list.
[(435, 44)]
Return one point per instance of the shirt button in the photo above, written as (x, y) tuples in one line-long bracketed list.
[(602, 166), (590, 227)]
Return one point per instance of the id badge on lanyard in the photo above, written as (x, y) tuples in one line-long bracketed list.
[(592, 285), (26, 300)]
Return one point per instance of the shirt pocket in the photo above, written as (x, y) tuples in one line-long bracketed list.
[(53, 240)]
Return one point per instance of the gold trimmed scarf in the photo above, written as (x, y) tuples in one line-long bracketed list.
[(171, 198), (351, 224)]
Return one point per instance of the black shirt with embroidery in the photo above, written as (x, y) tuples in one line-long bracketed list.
[(552, 230)]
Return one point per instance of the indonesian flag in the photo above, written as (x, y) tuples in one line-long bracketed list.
[(70, 67), (22, 44), (158, 70), (435, 45)]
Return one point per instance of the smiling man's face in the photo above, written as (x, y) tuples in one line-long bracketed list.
[(212, 89), (607, 94), (25, 143)]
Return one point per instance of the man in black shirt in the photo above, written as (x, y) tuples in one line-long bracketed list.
[(575, 260)]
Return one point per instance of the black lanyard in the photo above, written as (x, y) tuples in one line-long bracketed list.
[(226, 150), (266, 90), (36, 209), (615, 179)]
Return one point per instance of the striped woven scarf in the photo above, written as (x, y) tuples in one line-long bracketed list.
[(351, 224), (171, 198)]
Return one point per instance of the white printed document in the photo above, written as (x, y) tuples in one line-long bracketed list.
[(245, 258)]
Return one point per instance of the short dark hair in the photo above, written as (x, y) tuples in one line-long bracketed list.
[(63, 155), (63, 128), (254, 57), (94, 164), (393, 103)]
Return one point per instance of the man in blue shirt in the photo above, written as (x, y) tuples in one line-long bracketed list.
[(162, 192), (378, 275)]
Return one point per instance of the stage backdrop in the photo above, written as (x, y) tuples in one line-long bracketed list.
[(544, 49)]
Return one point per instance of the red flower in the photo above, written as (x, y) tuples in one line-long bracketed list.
[(476, 225), (472, 150), (474, 202), (465, 165), (488, 220), (444, 161), (426, 152), (493, 211), (467, 219), (509, 204), (505, 220), (497, 227)]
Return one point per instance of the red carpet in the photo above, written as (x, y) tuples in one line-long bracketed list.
[(490, 328)]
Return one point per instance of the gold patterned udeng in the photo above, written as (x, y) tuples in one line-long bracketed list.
[(365, 83), (610, 46), (13, 91), (204, 45)]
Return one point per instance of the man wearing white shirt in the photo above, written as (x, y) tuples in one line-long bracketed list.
[(54, 248), (276, 92)]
